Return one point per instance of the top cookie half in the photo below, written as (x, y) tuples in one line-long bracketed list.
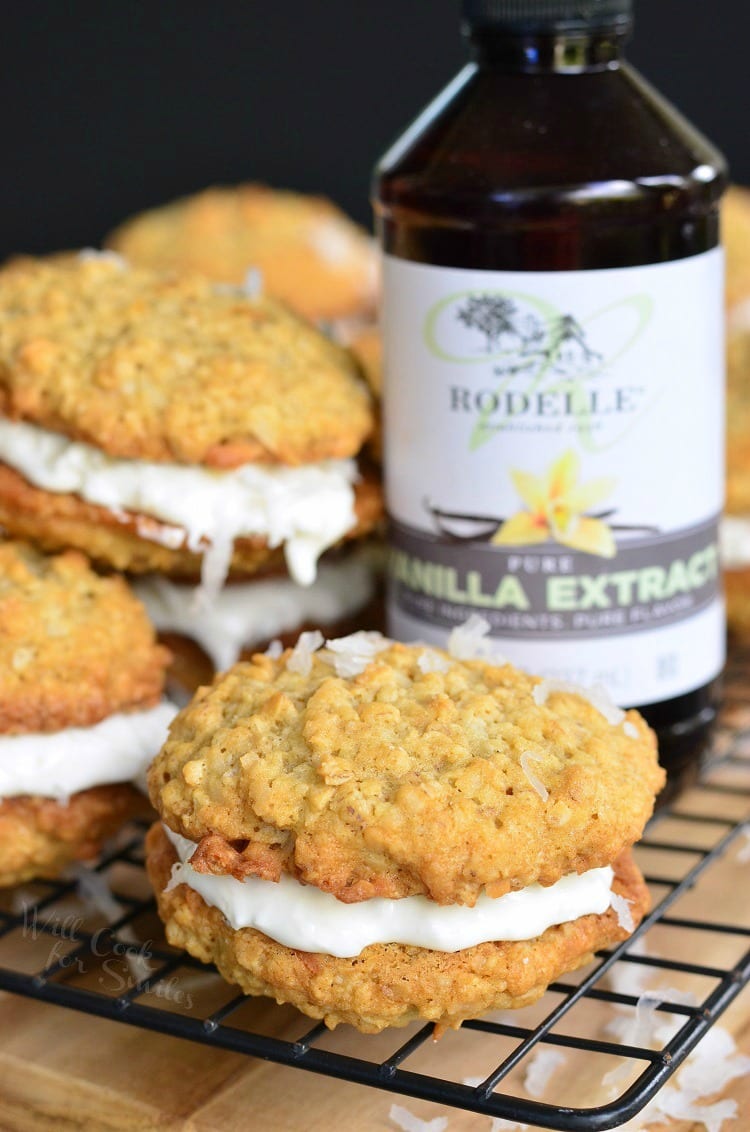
[(420, 773), (160, 368), (308, 252), (74, 647)]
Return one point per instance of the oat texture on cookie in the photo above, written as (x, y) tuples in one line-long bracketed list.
[(400, 775), (74, 647), (306, 251), (171, 368)]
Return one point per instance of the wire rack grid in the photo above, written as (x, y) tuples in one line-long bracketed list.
[(92, 942)]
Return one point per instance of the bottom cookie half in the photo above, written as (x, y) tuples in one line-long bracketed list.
[(40, 836), (386, 984)]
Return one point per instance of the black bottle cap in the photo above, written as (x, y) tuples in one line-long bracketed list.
[(550, 16)]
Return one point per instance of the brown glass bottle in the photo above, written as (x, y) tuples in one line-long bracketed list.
[(549, 153)]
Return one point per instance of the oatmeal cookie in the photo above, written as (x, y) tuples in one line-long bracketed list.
[(74, 647), (367, 347), (309, 254), (418, 774), (386, 984), (172, 369), (39, 837)]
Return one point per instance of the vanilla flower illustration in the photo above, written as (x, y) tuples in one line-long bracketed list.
[(556, 504)]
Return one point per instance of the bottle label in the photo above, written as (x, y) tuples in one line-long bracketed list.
[(554, 462)]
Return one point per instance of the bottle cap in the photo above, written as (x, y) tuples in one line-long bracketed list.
[(550, 16)]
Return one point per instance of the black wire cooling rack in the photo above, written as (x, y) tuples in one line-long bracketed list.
[(93, 943)]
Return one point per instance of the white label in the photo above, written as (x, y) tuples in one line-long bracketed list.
[(554, 461)]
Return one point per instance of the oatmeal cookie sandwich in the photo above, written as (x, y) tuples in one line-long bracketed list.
[(308, 253), (379, 833), (81, 709), (165, 426)]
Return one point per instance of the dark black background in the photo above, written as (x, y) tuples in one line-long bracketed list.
[(107, 106)]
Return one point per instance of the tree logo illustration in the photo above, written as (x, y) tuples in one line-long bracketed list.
[(492, 315), (559, 344)]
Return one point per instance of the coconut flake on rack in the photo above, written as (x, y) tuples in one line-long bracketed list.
[(429, 660), (469, 641), (526, 758), (352, 654), (597, 696), (621, 906), (302, 654), (408, 1122), (712, 1065), (541, 1069)]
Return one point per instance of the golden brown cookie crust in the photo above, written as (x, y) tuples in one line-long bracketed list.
[(39, 837), (735, 222), (367, 348), (74, 647), (310, 255), (737, 594), (55, 520), (738, 422), (386, 984), (397, 782), (169, 368)]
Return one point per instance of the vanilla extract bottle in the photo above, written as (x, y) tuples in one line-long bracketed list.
[(553, 353)]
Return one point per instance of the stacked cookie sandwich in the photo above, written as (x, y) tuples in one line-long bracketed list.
[(166, 426), (378, 833), (81, 709), (308, 253)]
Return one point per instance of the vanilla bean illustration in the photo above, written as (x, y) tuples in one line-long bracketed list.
[(493, 522)]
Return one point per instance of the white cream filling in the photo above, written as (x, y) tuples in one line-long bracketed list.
[(305, 918), (58, 764), (307, 509), (734, 542), (246, 613)]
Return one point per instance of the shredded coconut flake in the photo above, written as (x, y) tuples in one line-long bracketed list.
[(86, 255), (630, 729), (500, 1124), (431, 661), (252, 284), (631, 978), (526, 758), (542, 1067), (712, 1065), (331, 242), (214, 569), (275, 649), (302, 654), (473, 1082), (407, 1121), (621, 906), (469, 641), (94, 891), (597, 696), (352, 654), (743, 855)]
